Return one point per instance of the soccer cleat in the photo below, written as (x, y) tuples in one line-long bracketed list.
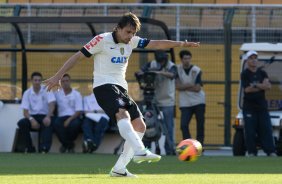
[(124, 173), (146, 156)]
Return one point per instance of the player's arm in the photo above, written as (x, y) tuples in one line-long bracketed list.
[(54, 81), (167, 44)]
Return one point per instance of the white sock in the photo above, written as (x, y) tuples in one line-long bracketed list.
[(128, 151), (126, 155), (127, 132)]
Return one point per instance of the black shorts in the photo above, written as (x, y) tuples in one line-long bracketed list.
[(111, 97)]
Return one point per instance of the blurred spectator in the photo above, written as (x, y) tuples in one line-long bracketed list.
[(38, 106), (164, 93), (191, 96), (94, 124), (257, 121), (68, 124)]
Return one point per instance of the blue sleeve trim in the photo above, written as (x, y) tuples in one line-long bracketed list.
[(143, 42)]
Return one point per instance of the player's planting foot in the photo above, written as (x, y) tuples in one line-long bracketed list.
[(122, 173), (146, 156)]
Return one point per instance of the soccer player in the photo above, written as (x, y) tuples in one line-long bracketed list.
[(111, 52)]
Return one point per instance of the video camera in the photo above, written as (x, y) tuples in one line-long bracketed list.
[(146, 82)]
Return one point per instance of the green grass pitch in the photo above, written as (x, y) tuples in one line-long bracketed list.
[(94, 168)]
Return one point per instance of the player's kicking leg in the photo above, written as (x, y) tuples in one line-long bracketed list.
[(133, 147), (129, 134)]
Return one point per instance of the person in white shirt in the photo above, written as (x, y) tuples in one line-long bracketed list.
[(191, 96), (38, 107), (111, 53), (94, 124), (67, 126)]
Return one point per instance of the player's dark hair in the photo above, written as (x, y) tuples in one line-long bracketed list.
[(34, 74), (184, 53), (66, 75), (129, 19)]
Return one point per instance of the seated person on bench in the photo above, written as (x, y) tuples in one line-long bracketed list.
[(94, 125), (38, 106)]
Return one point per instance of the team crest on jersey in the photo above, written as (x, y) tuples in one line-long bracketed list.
[(121, 50)]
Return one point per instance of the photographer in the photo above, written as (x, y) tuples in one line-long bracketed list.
[(164, 93)]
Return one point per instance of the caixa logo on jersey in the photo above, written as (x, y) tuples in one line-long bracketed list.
[(119, 59), (93, 42)]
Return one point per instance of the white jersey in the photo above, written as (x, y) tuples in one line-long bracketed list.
[(37, 103), (110, 58), (68, 104)]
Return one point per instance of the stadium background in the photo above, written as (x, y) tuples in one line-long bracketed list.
[(259, 22)]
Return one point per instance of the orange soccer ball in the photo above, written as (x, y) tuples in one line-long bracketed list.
[(189, 150)]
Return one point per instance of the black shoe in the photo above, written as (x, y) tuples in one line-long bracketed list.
[(88, 146), (43, 150), (92, 147)]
